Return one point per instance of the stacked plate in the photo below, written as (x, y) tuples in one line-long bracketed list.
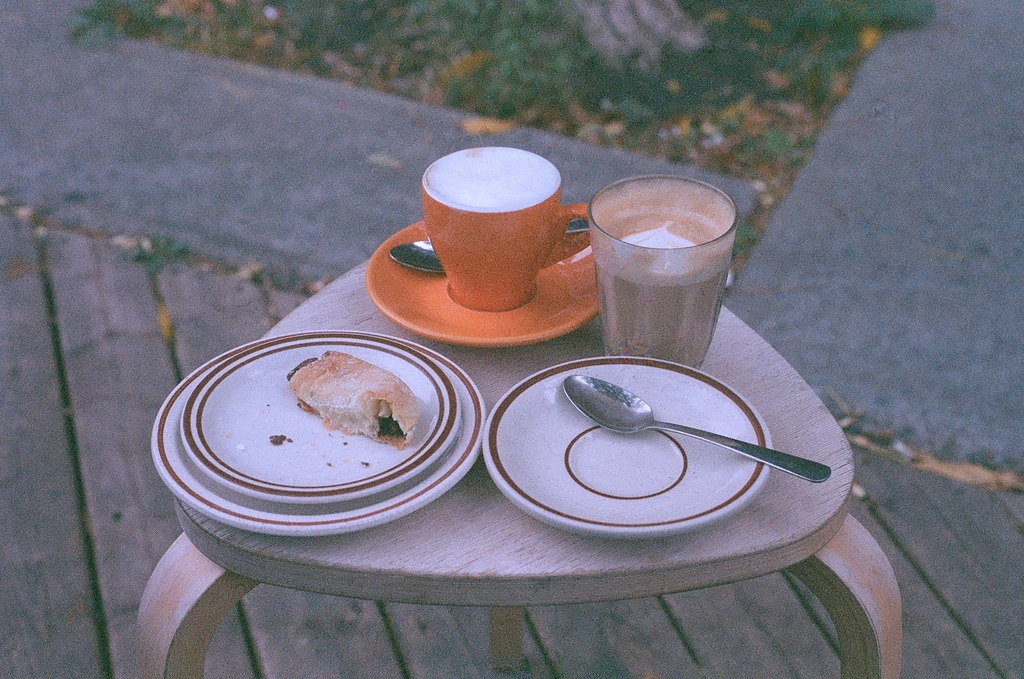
[(231, 442)]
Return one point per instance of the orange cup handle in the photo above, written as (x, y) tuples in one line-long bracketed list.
[(572, 242)]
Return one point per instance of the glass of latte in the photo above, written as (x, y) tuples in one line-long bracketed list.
[(662, 248)]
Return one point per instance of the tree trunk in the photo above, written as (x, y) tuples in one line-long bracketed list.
[(634, 32)]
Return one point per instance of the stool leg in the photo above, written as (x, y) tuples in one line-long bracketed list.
[(854, 581), (185, 600), (506, 637)]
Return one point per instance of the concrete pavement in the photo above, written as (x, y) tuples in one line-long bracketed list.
[(893, 271), (237, 160)]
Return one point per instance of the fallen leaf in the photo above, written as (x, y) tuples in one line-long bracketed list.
[(757, 117), (249, 271), (777, 80), (965, 472), (480, 126), (615, 128), (793, 109), (709, 129), (383, 160), (313, 287), (840, 84), (760, 24), (125, 242), (163, 319), (468, 64), (16, 268), (716, 16), (866, 444), (869, 37), (590, 132), (737, 110)]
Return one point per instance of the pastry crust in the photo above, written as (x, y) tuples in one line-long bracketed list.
[(356, 397)]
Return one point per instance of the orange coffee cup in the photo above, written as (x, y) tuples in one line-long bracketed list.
[(495, 218)]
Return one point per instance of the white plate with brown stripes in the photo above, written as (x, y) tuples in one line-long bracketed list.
[(559, 467), (242, 426)]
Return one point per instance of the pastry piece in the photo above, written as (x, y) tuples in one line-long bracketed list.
[(356, 397)]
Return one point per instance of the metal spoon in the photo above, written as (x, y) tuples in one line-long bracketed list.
[(417, 255), (615, 408), (420, 254)]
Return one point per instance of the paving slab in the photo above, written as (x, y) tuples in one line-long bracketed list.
[(892, 271)]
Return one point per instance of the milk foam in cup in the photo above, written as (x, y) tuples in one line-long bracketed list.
[(662, 249), (495, 218), (491, 179)]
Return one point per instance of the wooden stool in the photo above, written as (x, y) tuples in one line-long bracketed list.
[(472, 547)]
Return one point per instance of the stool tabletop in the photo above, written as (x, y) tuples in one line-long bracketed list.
[(471, 546)]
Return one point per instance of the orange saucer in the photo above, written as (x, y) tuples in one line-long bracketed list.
[(417, 301)]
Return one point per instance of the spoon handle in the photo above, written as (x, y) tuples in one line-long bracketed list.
[(798, 466)]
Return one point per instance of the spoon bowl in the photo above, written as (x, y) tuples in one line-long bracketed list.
[(619, 410), (417, 255)]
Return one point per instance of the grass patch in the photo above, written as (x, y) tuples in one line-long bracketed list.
[(749, 104)]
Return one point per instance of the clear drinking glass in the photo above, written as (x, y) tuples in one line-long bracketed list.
[(662, 247)]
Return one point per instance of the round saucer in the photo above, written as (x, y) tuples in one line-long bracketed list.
[(566, 299), (556, 465)]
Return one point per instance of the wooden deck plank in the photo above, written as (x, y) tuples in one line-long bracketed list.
[(300, 634), (47, 628), (610, 640), (474, 623), (756, 628), (211, 312), (119, 371), (453, 642), (967, 549), (425, 636), (933, 645), (116, 369)]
